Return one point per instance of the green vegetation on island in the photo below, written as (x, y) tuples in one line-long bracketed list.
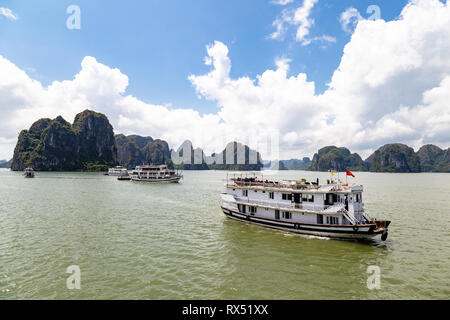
[(395, 157), (434, 159), (5, 164), (297, 164), (135, 150), (56, 145), (338, 159)]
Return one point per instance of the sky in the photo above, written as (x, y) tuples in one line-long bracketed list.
[(301, 74)]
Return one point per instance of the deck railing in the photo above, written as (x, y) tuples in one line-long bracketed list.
[(271, 185), (307, 206)]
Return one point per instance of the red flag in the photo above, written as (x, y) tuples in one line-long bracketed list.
[(349, 173)]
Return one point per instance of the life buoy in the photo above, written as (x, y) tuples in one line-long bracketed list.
[(355, 228)]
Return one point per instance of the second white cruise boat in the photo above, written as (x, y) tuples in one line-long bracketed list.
[(334, 210), (155, 174), (117, 171)]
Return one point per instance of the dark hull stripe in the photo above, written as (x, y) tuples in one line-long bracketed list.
[(299, 227)]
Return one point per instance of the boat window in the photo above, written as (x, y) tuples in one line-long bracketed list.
[(251, 209), (320, 219), (277, 214), (287, 215), (271, 195), (332, 220), (286, 196), (245, 193)]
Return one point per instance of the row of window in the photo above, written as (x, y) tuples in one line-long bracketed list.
[(305, 197), (285, 196), (288, 216), (332, 220)]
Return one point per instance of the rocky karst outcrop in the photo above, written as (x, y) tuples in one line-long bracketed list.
[(241, 158), (56, 145), (135, 150), (339, 159), (433, 159), (297, 164), (188, 158), (394, 157)]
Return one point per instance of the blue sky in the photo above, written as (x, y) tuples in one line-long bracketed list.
[(308, 73), (159, 43)]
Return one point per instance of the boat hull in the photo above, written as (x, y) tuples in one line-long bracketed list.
[(165, 180), (339, 232)]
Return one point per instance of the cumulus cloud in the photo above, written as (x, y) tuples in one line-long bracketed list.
[(392, 84), (300, 18), (303, 20), (7, 13), (99, 87), (282, 2)]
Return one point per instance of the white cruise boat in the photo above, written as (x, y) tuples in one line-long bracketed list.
[(28, 172), (155, 174), (333, 210), (117, 171)]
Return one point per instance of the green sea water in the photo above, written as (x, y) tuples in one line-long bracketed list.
[(145, 241)]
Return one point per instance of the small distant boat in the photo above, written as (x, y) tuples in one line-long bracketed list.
[(124, 176), (117, 171), (28, 172), (155, 174)]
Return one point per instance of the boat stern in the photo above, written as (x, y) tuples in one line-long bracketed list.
[(381, 227)]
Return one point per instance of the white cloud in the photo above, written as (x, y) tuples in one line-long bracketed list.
[(281, 24), (282, 2), (7, 13), (392, 84), (301, 19), (24, 100), (349, 18)]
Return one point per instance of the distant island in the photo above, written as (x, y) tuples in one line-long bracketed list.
[(89, 144), (235, 156), (5, 163), (135, 150), (291, 164), (395, 157)]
